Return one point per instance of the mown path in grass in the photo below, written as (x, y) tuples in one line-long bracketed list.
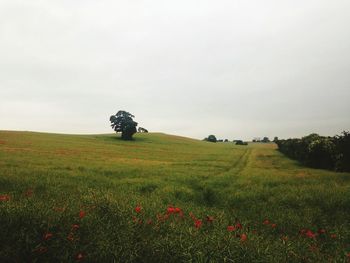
[(47, 180)]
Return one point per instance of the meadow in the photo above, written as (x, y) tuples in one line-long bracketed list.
[(164, 198)]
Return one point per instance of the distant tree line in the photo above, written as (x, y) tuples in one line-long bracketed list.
[(317, 151)]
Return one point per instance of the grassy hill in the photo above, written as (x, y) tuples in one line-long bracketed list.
[(163, 198)]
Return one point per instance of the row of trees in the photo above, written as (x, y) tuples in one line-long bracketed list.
[(319, 151), (212, 138)]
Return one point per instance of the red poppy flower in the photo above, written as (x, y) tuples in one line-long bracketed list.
[(198, 223), (266, 222), (138, 209), (82, 214), (177, 210), (310, 234), (273, 225), (79, 256), (4, 197), (170, 210), (47, 236), (243, 237), (231, 228)]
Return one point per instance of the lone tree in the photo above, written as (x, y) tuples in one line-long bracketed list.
[(211, 138), (123, 122)]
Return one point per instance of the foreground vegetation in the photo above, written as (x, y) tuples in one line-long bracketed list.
[(164, 198)]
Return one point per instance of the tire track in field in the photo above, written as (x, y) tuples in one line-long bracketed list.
[(242, 162)]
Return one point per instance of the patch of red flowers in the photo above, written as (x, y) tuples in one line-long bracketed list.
[(82, 214), (4, 198), (198, 223), (244, 237), (138, 209), (231, 228), (266, 222), (273, 225), (310, 234)]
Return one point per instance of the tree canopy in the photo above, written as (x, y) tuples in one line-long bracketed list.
[(123, 122)]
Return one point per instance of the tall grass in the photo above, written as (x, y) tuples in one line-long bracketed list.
[(73, 198)]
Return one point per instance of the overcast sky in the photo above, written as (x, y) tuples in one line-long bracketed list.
[(235, 68)]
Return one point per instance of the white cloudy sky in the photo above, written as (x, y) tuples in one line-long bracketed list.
[(233, 68)]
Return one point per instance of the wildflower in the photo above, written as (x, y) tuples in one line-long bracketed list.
[(47, 236), (81, 214), (273, 225), (149, 222), (266, 222), (243, 237), (198, 223), (138, 209), (4, 197), (310, 234), (75, 227), (170, 210), (177, 210), (231, 228), (79, 256), (334, 236)]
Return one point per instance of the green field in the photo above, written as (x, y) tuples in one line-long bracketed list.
[(66, 198)]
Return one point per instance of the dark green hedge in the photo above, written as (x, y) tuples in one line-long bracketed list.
[(317, 151)]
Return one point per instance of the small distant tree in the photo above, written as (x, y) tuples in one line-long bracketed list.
[(211, 138), (266, 139), (275, 140), (123, 122)]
